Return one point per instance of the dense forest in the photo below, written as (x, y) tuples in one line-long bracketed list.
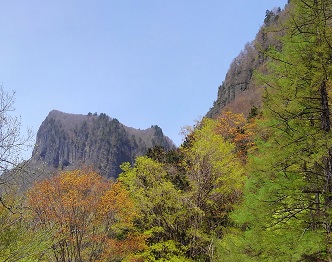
[(255, 188)]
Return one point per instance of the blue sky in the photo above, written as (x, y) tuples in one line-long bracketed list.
[(142, 62)]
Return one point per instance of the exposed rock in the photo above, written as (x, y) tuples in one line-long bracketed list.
[(70, 140), (238, 92)]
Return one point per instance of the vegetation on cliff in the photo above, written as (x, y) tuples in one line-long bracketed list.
[(68, 141), (237, 189)]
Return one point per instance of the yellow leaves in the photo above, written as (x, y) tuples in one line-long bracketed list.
[(117, 203), (87, 211), (216, 175), (228, 123), (233, 128), (67, 196)]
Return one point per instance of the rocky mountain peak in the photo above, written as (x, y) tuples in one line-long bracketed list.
[(71, 140)]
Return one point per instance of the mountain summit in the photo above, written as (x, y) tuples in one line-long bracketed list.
[(70, 140)]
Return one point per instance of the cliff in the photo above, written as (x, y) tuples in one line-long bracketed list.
[(70, 140), (238, 92)]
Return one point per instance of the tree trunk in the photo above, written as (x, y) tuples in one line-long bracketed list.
[(325, 113)]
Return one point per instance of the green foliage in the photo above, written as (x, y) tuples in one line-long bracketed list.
[(286, 213), (164, 213), (215, 175), (195, 203), (18, 240), (254, 111), (183, 223), (172, 161)]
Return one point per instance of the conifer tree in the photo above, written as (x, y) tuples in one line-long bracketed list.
[(287, 204)]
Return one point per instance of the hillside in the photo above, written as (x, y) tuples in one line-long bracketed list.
[(238, 189), (71, 140), (238, 92)]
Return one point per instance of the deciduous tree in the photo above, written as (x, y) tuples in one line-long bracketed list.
[(89, 217), (216, 179), (164, 212), (183, 223), (236, 129)]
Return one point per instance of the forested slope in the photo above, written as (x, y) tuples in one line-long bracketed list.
[(256, 188), (239, 92)]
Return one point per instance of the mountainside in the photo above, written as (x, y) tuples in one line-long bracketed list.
[(238, 92), (70, 140)]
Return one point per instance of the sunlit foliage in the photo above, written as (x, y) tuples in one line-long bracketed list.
[(89, 217)]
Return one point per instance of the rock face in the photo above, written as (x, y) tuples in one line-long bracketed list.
[(239, 92), (69, 140), (238, 80)]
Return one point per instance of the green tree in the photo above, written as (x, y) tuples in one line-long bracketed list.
[(216, 179), (183, 223), (172, 161), (18, 240), (287, 205), (164, 212)]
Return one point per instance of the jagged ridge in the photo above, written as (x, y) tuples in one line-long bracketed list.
[(71, 140)]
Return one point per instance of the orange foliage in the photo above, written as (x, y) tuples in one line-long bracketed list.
[(119, 248), (235, 128), (114, 203), (86, 214)]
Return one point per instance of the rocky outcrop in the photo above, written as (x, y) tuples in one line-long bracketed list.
[(69, 141), (238, 80), (239, 92)]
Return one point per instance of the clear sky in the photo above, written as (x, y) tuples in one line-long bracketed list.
[(144, 62)]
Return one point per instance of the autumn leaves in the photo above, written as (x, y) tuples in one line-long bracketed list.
[(89, 218), (171, 206)]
